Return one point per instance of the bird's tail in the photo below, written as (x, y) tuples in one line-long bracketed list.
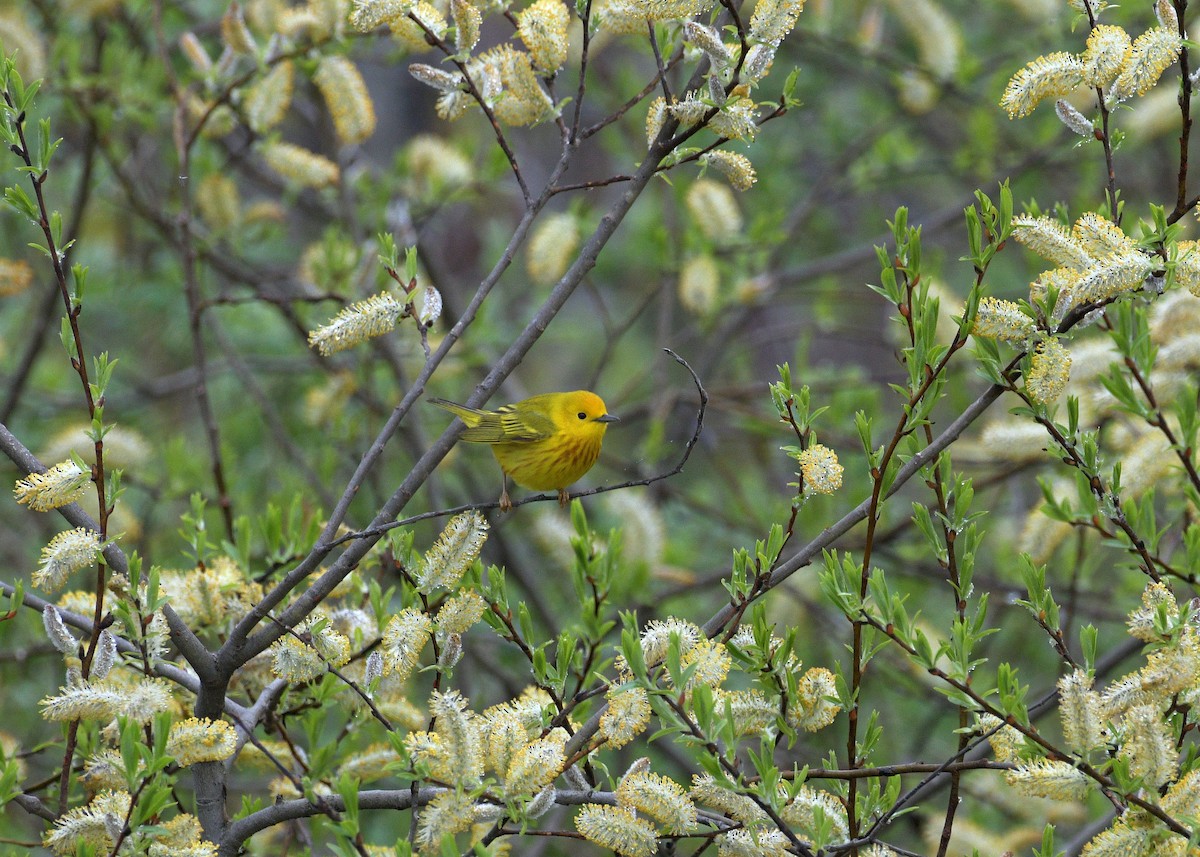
[(470, 416)]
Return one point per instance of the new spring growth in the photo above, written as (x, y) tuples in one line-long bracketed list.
[(505, 734), (819, 470), (757, 843), (542, 802), (758, 62), (1073, 119), (1003, 320), (449, 813), (552, 247), (736, 167), (711, 662), (431, 307), (404, 638), (656, 117), (1153, 52), (658, 797), (1107, 49), (700, 285), (234, 32), (357, 323), (460, 612), (459, 736), (668, 10), (1051, 240), (627, 715), (816, 701), (1148, 745), (542, 27), (422, 20), (1006, 742), (1131, 715), (374, 668), (535, 766), (705, 790), (139, 701), (369, 14), (1157, 616), (1055, 75), (1111, 60), (1049, 371), (715, 210), (57, 632), (802, 812), (1049, 778), (1080, 708), (453, 553), (439, 79), (346, 97), (708, 40), (307, 654), (106, 655), (61, 485), (774, 19), (524, 101), (656, 639), (266, 101), (300, 166), (99, 824), (618, 829), (68, 552), (201, 740), (750, 711), (467, 22), (690, 110), (1097, 261)]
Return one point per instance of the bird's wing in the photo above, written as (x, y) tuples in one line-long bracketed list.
[(505, 425), (525, 426)]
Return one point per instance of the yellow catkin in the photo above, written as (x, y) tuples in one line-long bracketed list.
[(1051, 76), (268, 99), (467, 22), (714, 209), (543, 29), (1108, 49), (618, 829), (552, 247), (522, 101), (736, 168), (423, 19), (16, 276), (1153, 52), (1003, 320), (1049, 371), (218, 203), (699, 285), (299, 165), (346, 97)]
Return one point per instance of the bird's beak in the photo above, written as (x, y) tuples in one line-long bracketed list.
[(608, 418)]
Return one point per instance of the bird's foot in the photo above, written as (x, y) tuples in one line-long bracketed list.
[(505, 501), (564, 499)]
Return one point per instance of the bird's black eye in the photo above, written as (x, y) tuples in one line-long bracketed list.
[(582, 415)]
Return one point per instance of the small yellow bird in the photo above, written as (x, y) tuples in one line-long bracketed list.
[(542, 442)]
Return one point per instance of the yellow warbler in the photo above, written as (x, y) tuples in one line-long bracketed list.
[(542, 442)]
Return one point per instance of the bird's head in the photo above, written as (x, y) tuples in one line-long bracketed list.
[(583, 412)]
